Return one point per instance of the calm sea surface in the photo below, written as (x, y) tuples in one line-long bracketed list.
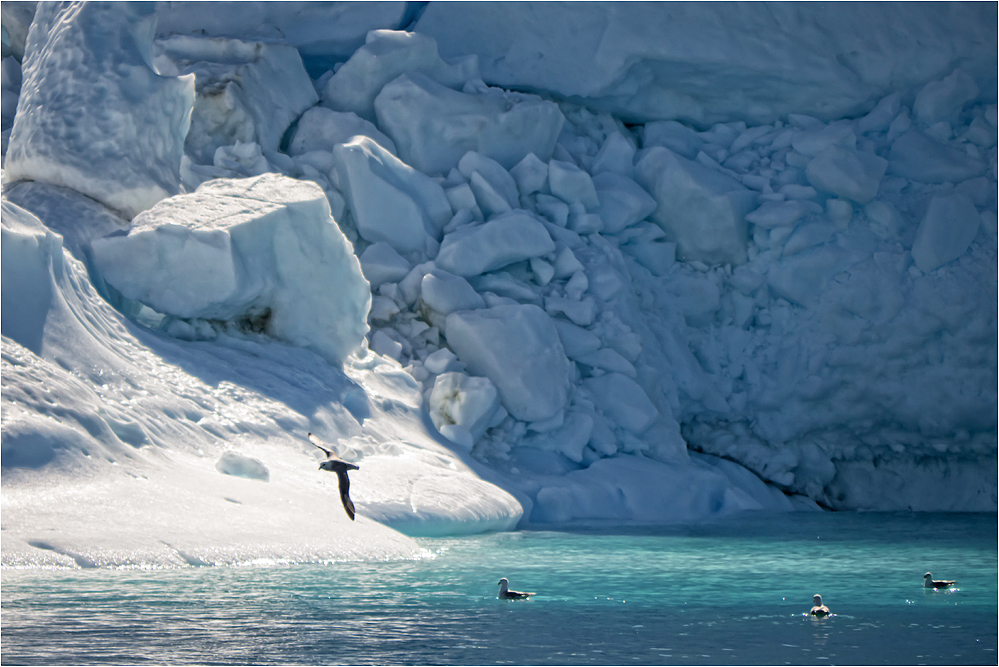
[(733, 591)]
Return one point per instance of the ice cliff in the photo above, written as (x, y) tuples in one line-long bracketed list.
[(731, 257)]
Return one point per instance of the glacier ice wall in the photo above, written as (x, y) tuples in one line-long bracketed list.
[(703, 65), (90, 95)]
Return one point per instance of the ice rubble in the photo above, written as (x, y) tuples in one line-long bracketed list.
[(575, 303), (245, 91)]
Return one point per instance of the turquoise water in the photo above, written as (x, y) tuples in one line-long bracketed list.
[(726, 592)]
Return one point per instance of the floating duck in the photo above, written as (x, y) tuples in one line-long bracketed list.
[(818, 609), (334, 463), (506, 594), (930, 582)]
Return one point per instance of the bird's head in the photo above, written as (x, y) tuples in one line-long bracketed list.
[(503, 582), (927, 576), (817, 599), (326, 465)]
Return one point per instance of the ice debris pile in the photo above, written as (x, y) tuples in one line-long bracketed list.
[(812, 297)]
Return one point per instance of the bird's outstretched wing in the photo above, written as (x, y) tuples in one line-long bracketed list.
[(344, 481), (320, 444)]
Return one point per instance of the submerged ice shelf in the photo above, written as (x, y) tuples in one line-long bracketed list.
[(507, 308)]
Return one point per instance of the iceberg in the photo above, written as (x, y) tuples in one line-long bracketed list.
[(434, 126), (517, 347), (543, 300), (702, 210), (391, 202), (386, 55), (509, 238)]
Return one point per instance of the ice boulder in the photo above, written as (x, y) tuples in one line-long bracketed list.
[(462, 407), (949, 226), (434, 126), (530, 174), (576, 341), (847, 172), (509, 238), (617, 155), (320, 129), (382, 264), (246, 91), (814, 139), (622, 401), (623, 202), (943, 100), (518, 348), (442, 293), (239, 465), (784, 213), (263, 249), (702, 210), (386, 54), (921, 158), (494, 188), (572, 185), (390, 201), (93, 114)]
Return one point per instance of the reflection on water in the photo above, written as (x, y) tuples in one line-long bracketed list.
[(728, 592)]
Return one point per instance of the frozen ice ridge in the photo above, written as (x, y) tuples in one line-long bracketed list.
[(676, 287)]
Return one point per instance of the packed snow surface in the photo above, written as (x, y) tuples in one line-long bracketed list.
[(445, 253)]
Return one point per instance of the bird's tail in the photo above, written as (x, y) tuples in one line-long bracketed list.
[(348, 505)]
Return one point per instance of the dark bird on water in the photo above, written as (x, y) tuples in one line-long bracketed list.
[(334, 463), (818, 609), (506, 594), (930, 582)]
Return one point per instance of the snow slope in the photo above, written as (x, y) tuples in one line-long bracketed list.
[(508, 308)]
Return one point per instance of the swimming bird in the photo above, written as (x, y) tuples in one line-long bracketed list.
[(930, 582), (818, 609), (334, 463), (506, 594)]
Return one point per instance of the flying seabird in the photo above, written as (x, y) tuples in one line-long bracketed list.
[(334, 463), (930, 582), (506, 594), (818, 609)]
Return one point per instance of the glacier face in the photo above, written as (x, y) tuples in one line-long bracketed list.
[(644, 61), (568, 318)]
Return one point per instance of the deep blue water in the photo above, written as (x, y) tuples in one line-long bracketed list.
[(733, 591)]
